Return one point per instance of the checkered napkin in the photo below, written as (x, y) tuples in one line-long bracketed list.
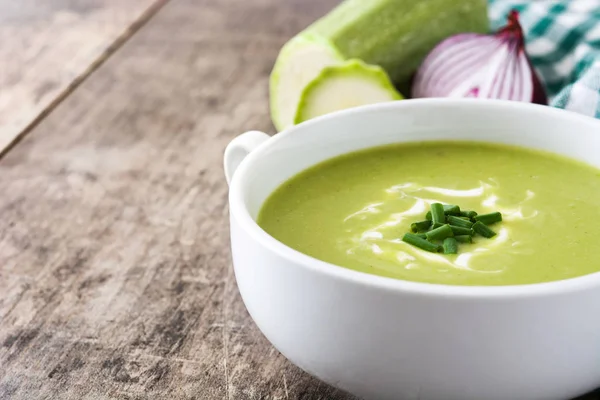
[(563, 41)]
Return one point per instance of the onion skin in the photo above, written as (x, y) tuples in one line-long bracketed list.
[(481, 66)]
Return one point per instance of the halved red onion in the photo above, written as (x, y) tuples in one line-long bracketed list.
[(483, 66)]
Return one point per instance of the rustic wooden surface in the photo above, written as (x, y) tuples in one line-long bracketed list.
[(115, 276), (49, 46)]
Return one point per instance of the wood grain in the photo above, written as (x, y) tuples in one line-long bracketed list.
[(48, 46), (115, 274)]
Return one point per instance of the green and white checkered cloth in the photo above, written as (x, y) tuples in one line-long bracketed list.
[(563, 41)]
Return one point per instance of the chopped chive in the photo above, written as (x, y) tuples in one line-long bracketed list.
[(451, 209), (464, 238), (421, 243), (459, 230), (445, 226), (437, 214), (468, 214), (420, 226), (490, 218), (456, 221), (440, 233), (450, 246), (483, 230)]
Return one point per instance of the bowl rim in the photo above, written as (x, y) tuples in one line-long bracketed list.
[(239, 211)]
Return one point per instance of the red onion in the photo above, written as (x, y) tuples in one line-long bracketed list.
[(484, 66)]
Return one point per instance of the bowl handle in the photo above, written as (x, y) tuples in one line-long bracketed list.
[(239, 148)]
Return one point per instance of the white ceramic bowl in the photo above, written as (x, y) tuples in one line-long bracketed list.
[(382, 338)]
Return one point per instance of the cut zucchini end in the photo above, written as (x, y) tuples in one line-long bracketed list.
[(298, 63), (350, 84)]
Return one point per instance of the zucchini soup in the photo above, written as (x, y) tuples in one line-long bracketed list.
[(509, 215)]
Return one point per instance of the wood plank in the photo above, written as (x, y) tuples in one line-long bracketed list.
[(49, 46), (114, 251)]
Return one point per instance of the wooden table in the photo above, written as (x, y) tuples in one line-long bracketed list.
[(115, 273)]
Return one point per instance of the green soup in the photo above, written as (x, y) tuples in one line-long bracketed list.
[(353, 211)]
